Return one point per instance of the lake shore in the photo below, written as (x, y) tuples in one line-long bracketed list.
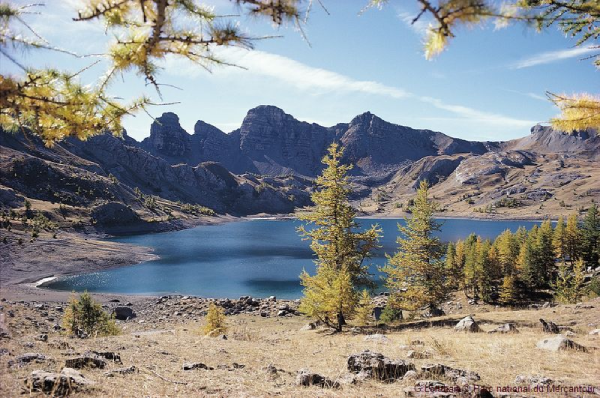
[(77, 252), (73, 253)]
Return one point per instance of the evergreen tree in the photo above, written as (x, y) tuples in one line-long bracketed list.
[(330, 295), (415, 274), (590, 236)]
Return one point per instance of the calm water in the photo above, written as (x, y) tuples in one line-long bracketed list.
[(257, 258)]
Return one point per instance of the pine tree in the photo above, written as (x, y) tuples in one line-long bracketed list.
[(590, 236), (330, 295), (215, 321), (415, 274), (508, 291), (364, 312)]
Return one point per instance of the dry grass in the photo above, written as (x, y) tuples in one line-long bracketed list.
[(258, 342)]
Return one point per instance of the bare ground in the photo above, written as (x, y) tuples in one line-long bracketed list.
[(159, 348)]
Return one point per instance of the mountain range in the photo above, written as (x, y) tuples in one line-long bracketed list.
[(269, 163)]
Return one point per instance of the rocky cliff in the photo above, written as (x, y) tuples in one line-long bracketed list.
[(267, 165)]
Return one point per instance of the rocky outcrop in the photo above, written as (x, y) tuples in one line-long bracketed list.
[(168, 139), (547, 140), (467, 325), (114, 213), (66, 382), (376, 366), (306, 379), (559, 343)]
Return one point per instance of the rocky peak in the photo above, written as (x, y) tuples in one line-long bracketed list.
[(167, 137), (363, 118), (204, 129)]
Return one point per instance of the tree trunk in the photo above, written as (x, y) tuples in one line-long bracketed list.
[(341, 321)]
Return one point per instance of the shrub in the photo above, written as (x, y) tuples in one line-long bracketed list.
[(594, 287), (85, 317), (390, 314), (215, 321), (364, 312)]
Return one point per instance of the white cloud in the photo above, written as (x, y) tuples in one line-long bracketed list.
[(420, 26), (553, 56), (474, 114), (302, 76), (321, 81)]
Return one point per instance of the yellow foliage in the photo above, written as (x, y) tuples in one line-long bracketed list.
[(215, 321), (578, 112)]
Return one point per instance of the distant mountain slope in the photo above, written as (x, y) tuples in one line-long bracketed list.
[(272, 142), (544, 139), (268, 166)]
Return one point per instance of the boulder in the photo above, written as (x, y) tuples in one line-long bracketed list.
[(468, 325), (448, 372), (549, 327), (87, 361), (532, 380), (595, 332), (306, 379), (123, 313), (376, 366), (29, 357), (432, 311), (121, 371), (111, 356), (377, 337), (559, 343), (418, 354), (506, 328), (195, 365), (58, 384), (309, 326)]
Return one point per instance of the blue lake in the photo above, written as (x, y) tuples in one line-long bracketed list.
[(257, 258)]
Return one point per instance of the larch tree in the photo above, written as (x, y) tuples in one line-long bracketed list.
[(364, 312), (590, 237), (415, 274), (545, 253), (508, 290), (507, 246), (573, 238), (340, 248), (559, 240)]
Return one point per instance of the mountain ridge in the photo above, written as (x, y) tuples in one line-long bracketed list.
[(268, 165)]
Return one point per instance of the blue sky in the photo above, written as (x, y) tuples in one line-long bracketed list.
[(488, 85)]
